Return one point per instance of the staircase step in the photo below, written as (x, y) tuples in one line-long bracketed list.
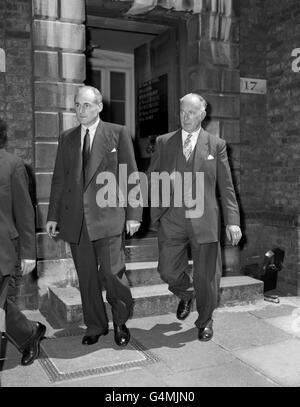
[(138, 250), (156, 299), (144, 273)]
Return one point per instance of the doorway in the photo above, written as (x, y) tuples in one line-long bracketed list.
[(135, 66)]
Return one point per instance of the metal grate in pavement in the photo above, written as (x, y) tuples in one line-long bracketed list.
[(62, 360)]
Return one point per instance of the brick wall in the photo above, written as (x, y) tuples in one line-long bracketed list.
[(16, 100), (16, 103), (253, 107), (270, 150), (283, 107)]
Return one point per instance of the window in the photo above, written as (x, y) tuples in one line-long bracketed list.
[(112, 73)]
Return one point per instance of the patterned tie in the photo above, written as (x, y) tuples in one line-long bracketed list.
[(187, 147), (85, 151)]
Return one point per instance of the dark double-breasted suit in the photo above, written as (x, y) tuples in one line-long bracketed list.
[(202, 232), (95, 233), (17, 241)]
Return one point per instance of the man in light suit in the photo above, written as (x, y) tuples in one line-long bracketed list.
[(17, 241), (95, 232), (186, 152)]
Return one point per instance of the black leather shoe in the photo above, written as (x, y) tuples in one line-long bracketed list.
[(205, 334), (122, 335), (184, 308), (32, 350), (91, 339)]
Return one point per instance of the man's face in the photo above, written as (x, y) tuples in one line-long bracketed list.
[(86, 107), (192, 114)]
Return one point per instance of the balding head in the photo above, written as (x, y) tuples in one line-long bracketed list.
[(88, 105), (89, 90), (192, 112)]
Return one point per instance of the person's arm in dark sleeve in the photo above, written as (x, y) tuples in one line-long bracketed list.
[(23, 212)]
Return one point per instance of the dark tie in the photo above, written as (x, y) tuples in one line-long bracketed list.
[(85, 150), (187, 147)]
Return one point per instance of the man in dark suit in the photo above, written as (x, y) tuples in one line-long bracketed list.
[(94, 230), (200, 163), (17, 240)]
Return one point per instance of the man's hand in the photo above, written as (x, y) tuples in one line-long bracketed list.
[(234, 234), (51, 228), (27, 266), (132, 226)]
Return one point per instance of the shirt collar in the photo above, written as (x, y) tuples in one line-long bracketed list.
[(91, 128), (194, 133)]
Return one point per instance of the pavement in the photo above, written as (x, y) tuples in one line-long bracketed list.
[(254, 345)]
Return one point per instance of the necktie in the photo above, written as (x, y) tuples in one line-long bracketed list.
[(187, 147), (85, 150)]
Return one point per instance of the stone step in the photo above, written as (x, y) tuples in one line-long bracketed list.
[(144, 273), (146, 249), (138, 250), (65, 303)]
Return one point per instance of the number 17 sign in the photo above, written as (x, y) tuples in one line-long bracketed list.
[(253, 85)]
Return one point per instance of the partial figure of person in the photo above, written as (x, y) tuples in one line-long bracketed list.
[(94, 231), (17, 247), (197, 163)]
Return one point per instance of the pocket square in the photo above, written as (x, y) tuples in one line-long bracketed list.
[(113, 150), (210, 157)]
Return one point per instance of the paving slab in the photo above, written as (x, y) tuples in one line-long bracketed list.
[(289, 323), (233, 374), (279, 361), (243, 330), (181, 350), (273, 310), (15, 375), (194, 355), (176, 344)]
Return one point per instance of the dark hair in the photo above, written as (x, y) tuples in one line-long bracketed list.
[(3, 133)]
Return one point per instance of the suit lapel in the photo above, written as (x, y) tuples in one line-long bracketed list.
[(75, 153), (201, 150), (173, 146), (101, 145)]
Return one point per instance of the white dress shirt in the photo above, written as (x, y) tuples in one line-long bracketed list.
[(92, 131), (194, 137)]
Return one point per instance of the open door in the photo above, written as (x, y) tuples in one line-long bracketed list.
[(156, 92)]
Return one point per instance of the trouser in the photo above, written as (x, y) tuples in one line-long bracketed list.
[(19, 329), (108, 253), (173, 242)]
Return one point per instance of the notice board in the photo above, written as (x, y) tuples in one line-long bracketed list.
[(152, 112)]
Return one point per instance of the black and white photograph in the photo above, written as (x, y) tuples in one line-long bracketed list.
[(149, 197)]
